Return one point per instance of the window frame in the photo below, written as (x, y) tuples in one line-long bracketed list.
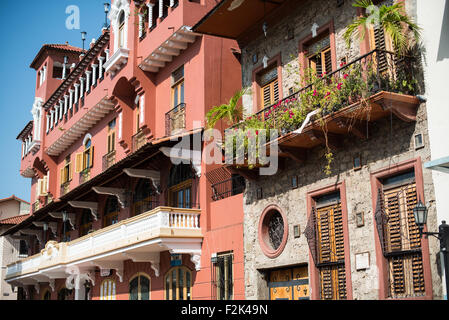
[(138, 275), (178, 87), (112, 125), (376, 183), (229, 268), (187, 290), (111, 295), (314, 272)]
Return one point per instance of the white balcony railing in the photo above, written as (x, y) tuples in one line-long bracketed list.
[(142, 231)]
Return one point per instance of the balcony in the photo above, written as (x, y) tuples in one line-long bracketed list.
[(108, 160), (65, 188), (370, 88), (175, 120), (117, 61), (139, 140), (84, 176), (140, 238)]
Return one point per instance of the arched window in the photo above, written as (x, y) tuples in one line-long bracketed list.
[(121, 29), (107, 290), (111, 211), (144, 197), (86, 222), (178, 283), (46, 295), (180, 186), (87, 154), (139, 287)]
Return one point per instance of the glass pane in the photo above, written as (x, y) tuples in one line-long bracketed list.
[(181, 284), (188, 202), (133, 289), (144, 288), (175, 97), (182, 93), (181, 199), (167, 287), (173, 288), (188, 284)]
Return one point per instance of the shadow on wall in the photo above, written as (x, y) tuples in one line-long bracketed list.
[(443, 50)]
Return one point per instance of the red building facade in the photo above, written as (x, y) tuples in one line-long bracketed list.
[(117, 213)]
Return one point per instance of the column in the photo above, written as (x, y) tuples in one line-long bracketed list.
[(94, 74), (161, 8), (172, 3), (44, 73), (82, 87), (71, 99), (140, 24), (100, 61), (76, 85), (88, 73), (61, 110), (56, 114), (52, 113), (64, 71), (48, 123), (40, 77), (66, 103), (107, 54), (150, 15)]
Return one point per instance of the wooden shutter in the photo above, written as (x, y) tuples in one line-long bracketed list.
[(79, 158), (270, 93), (91, 157), (327, 60), (70, 172), (62, 174), (403, 243)]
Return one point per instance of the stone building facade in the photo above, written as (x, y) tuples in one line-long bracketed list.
[(288, 269)]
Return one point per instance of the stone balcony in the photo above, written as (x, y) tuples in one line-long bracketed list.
[(140, 238)]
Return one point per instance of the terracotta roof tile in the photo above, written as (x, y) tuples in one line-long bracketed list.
[(15, 220)]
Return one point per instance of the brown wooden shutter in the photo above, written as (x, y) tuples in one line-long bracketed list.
[(91, 158), (275, 92), (79, 159), (327, 59), (311, 234), (70, 171), (61, 178)]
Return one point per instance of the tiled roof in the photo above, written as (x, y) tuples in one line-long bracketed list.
[(63, 47), (14, 220)]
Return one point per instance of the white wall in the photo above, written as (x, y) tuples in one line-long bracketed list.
[(433, 18)]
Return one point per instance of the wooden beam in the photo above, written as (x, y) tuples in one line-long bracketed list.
[(354, 126), (333, 140), (297, 154)]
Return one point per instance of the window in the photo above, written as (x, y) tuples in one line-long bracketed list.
[(180, 186), (66, 228), (85, 160), (107, 290), (326, 223), (139, 287), (66, 171), (121, 30), (399, 235), (178, 87), (178, 281), (137, 116), (23, 248), (111, 136), (223, 276), (111, 211), (86, 222), (269, 86), (46, 295), (144, 197), (319, 55)]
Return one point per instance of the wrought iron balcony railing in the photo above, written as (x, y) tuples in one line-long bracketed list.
[(228, 188), (108, 160), (175, 119), (376, 71)]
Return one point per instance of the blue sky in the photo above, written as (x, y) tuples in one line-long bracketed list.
[(28, 25)]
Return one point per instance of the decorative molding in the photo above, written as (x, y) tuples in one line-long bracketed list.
[(119, 193), (153, 175), (71, 217), (116, 265), (92, 206)]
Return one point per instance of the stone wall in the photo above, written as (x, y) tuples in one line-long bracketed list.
[(390, 142)]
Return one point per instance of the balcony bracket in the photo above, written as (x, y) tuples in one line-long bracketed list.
[(193, 156), (52, 225), (116, 265), (92, 206), (119, 193), (59, 215), (77, 277), (153, 175), (152, 257), (185, 246), (36, 233)]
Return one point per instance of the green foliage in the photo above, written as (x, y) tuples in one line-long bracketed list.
[(232, 111), (391, 18)]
